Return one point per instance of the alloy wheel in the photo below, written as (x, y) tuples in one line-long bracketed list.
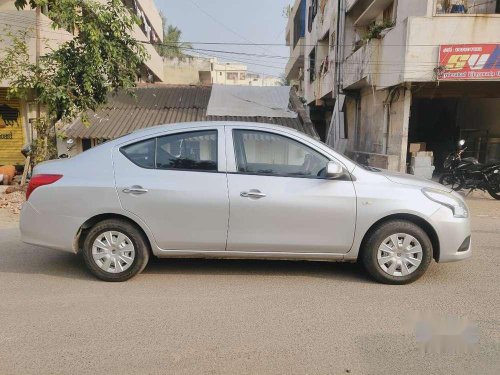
[(113, 252), (399, 254)]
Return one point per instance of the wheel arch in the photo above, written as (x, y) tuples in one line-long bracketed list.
[(417, 220), (89, 223)]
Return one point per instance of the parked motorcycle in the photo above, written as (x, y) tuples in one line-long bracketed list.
[(70, 143), (468, 173)]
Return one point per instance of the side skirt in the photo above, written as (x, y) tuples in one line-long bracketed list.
[(326, 257)]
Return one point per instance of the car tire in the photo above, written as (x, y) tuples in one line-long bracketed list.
[(410, 262), (121, 252)]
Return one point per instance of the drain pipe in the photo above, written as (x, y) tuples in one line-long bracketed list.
[(387, 119), (385, 130)]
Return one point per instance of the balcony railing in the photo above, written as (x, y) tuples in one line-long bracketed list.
[(467, 7)]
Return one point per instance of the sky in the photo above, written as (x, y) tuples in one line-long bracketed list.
[(233, 21)]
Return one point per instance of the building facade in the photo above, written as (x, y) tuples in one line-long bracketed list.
[(380, 74), (16, 114), (192, 70), (295, 39), (229, 73)]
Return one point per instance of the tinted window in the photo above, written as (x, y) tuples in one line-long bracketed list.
[(141, 153), (192, 151), (272, 154)]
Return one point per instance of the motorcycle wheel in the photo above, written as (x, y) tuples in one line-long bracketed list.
[(494, 188), (453, 182)]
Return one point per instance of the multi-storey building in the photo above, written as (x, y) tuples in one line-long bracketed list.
[(191, 70), (380, 74), (229, 73), (15, 114), (295, 39)]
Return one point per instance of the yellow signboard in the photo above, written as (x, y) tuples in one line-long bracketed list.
[(11, 130)]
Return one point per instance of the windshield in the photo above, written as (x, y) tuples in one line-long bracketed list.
[(357, 163)]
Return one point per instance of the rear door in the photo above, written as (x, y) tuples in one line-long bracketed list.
[(176, 183)]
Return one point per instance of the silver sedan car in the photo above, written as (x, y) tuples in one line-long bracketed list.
[(239, 190)]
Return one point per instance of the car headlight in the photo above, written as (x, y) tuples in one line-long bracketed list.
[(456, 205)]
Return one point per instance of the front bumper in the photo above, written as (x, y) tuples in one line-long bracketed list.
[(452, 234)]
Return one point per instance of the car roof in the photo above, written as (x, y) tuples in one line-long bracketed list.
[(157, 130), (202, 124)]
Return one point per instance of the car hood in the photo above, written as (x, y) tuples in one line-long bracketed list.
[(408, 179)]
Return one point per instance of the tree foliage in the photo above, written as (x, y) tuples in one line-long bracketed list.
[(172, 45), (78, 75)]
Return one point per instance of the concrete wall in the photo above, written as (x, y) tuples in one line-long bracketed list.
[(425, 34), (368, 135), (14, 21), (186, 70)]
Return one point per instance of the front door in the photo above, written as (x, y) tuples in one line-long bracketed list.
[(280, 201), (176, 185)]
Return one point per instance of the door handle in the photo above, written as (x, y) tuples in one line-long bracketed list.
[(135, 190), (257, 194)]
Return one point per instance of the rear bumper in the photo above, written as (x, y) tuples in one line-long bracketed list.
[(48, 230), (452, 233)]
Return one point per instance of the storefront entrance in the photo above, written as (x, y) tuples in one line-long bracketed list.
[(442, 115)]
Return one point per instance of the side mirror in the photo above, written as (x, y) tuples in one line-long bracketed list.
[(461, 142), (334, 170)]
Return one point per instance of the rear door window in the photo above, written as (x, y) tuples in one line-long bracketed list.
[(188, 151), (141, 153)]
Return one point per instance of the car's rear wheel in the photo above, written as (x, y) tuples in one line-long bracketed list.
[(115, 250), (397, 252)]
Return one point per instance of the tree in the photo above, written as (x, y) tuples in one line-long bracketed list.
[(172, 45), (78, 75)]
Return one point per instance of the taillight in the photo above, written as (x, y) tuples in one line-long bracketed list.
[(41, 180)]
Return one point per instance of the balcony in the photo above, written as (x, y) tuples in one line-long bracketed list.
[(359, 66), (296, 60), (465, 7), (363, 12)]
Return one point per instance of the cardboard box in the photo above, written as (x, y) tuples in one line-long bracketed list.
[(421, 161), (425, 172), (416, 147)]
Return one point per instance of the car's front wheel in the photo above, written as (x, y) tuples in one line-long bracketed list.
[(397, 252), (115, 250)]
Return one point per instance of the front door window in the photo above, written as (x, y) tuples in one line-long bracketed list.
[(272, 154)]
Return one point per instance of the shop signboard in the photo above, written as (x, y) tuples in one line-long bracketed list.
[(460, 62)]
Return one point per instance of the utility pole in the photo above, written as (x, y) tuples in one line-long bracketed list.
[(28, 164), (37, 54)]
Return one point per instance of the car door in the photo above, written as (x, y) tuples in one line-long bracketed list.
[(279, 200), (176, 183)]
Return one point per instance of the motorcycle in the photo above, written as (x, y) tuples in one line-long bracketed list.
[(468, 173), (70, 143)]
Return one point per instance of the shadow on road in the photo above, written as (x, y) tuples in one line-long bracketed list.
[(16, 257), (334, 271)]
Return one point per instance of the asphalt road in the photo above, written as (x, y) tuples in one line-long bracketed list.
[(242, 317)]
